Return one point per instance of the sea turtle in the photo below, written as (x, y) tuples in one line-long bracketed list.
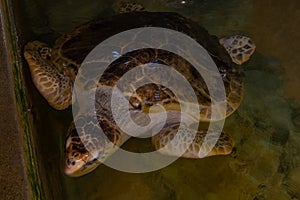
[(54, 70)]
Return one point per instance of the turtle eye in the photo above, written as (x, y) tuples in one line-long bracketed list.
[(70, 163)]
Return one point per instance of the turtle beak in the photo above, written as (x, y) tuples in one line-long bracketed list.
[(79, 170), (75, 167), (69, 171), (72, 168)]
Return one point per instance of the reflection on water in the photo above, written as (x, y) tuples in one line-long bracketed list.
[(266, 128)]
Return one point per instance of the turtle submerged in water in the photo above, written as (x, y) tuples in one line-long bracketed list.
[(54, 70)]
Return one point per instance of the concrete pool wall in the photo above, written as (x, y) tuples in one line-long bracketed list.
[(19, 177)]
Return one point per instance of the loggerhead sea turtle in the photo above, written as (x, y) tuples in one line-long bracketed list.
[(54, 70)]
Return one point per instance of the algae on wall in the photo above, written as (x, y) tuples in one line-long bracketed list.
[(14, 61)]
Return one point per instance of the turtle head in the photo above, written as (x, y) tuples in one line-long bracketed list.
[(86, 148), (78, 160), (53, 84), (240, 48)]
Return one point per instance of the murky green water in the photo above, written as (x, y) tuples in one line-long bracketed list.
[(266, 128)]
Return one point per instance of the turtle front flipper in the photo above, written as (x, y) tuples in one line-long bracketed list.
[(240, 48), (54, 84), (183, 143)]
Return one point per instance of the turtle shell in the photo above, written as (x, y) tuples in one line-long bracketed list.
[(54, 70), (71, 48)]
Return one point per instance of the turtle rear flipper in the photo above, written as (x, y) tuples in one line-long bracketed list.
[(240, 48), (52, 83), (183, 143)]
